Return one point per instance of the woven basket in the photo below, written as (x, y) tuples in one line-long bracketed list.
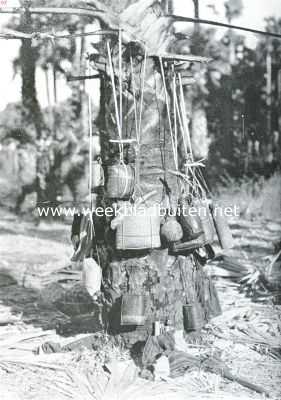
[(133, 309), (140, 231), (121, 181)]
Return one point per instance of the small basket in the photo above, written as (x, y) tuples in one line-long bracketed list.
[(120, 181), (133, 309)]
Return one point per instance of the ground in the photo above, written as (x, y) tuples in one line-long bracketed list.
[(247, 335)]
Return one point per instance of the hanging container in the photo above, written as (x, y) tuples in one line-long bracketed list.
[(133, 309), (190, 219), (222, 228), (171, 231), (190, 245), (97, 175), (193, 319), (206, 221), (91, 276), (121, 181), (140, 230)]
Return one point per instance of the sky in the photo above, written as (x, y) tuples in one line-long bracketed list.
[(253, 15)]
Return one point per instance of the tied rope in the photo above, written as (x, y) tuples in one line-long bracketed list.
[(168, 112), (121, 147), (175, 113), (184, 119), (92, 230), (138, 119), (120, 79)]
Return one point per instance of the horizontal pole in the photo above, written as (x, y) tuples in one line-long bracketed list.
[(82, 78), (223, 25), (53, 10)]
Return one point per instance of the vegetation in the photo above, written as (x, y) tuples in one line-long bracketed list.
[(243, 123)]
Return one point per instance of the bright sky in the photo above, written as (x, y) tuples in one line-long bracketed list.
[(253, 16)]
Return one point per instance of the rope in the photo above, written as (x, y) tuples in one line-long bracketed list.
[(134, 98), (168, 111), (182, 128), (175, 114), (121, 148), (91, 221), (120, 78), (90, 112), (142, 92), (184, 119)]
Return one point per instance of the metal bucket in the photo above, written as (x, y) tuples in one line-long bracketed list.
[(193, 319), (133, 309)]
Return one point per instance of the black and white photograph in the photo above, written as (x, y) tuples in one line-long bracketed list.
[(140, 200)]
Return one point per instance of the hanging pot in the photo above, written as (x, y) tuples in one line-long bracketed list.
[(222, 228), (190, 219), (193, 317), (171, 231), (97, 175), (133, 309), (121, 181)]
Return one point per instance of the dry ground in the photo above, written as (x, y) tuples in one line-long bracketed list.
[(247, 335)]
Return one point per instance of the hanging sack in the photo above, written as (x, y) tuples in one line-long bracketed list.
[(121, 181), (91, 276)]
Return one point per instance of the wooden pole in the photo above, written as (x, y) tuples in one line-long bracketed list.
[(196, 15), (196, 8), (268, 89), (53, 10)]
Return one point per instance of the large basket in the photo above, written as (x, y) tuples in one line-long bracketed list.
[(120, 181), (139, 231)]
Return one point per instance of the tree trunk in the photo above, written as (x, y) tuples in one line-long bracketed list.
[(31, 108)]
